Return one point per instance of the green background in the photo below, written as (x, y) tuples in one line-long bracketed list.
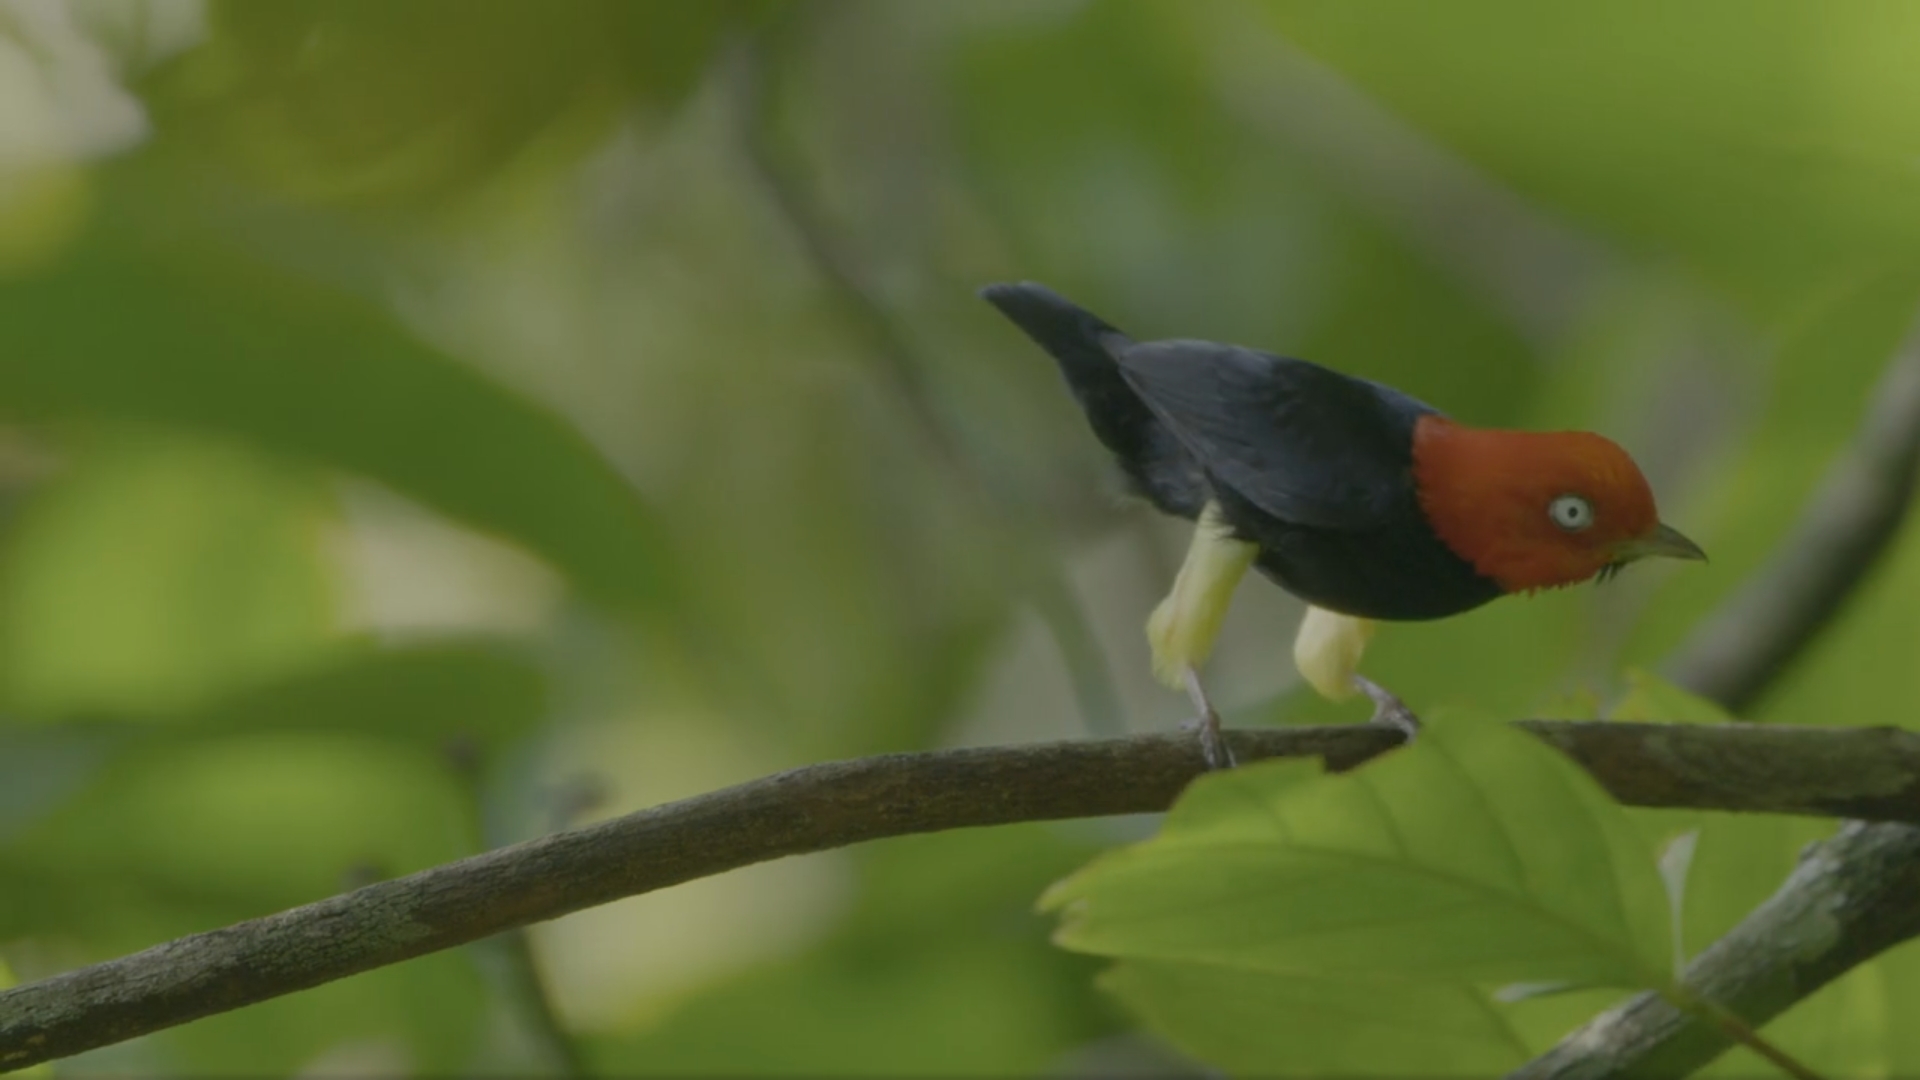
[(429, 423)]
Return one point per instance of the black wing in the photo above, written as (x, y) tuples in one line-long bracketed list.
[(1305, 444)]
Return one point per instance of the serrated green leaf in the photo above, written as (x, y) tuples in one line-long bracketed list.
[(1652, 698), (1256, 1023), (1475, 855)]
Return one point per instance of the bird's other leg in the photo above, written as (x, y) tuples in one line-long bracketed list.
[(1183, 627), (1388, 709), (1328, 651)]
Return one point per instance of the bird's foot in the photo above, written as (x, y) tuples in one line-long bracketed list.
[(1213, 744), (1388, 709)]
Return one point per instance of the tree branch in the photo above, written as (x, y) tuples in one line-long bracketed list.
[(1735, 655), (1850, 899), (847, 279), (1862, 772)]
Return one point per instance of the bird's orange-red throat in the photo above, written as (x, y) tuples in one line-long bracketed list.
[(1531, 510)]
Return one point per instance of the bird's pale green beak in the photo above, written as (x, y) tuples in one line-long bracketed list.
[(1664, 540)]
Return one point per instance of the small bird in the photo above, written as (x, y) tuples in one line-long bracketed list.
[(1362, 501)]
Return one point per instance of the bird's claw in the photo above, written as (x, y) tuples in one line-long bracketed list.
[(1388, 709), (1213, 743)]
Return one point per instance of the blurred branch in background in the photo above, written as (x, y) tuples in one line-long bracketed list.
[(1734, 656), (508, 959), (1850, 899), (1856, 772), (784, 178), (1537, 272)]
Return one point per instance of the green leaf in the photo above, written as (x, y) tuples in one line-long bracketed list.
[(1099, 137), (1652, 698), (426, 694), (1579, 704), (225, 587), (441, 698), (1851, 1027), (1476, 855), (1676, 129), (430, 1012), (237, 826), (1262, 1024), (202, 337), (404, 105), (43, 766), (941, 969)]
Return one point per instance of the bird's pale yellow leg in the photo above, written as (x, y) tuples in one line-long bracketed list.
[(1183, 627), (1328, 650)]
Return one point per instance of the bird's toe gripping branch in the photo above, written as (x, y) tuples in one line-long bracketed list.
[(1388, 709), (1213, 744), (1183, 627)]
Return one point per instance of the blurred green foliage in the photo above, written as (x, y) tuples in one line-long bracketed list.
[(429, 423)]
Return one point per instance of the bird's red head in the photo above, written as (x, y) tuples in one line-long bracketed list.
[(1536, 510)]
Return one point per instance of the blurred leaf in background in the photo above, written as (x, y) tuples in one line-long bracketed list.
[(402, 105), (429, 423)]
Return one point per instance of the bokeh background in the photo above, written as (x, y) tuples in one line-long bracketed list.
[(432, 422)]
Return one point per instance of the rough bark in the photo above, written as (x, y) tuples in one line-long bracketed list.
[(1865, 772)]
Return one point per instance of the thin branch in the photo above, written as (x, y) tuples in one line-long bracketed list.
[(1850, 899), (1858, 772), (1862, 773), (1531, 268), (1739, 652), (506, 960), (844, 272), (784, 180)]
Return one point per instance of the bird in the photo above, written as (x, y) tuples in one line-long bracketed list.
[(1364, 502)]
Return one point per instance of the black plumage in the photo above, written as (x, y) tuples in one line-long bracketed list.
[(1312, 466)]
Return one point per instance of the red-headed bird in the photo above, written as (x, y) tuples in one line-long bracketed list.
[(1358, 499)]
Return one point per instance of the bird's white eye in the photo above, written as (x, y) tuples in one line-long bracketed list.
[(1571, 512)]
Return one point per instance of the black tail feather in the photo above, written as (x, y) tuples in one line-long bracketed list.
[(1083, 346)]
